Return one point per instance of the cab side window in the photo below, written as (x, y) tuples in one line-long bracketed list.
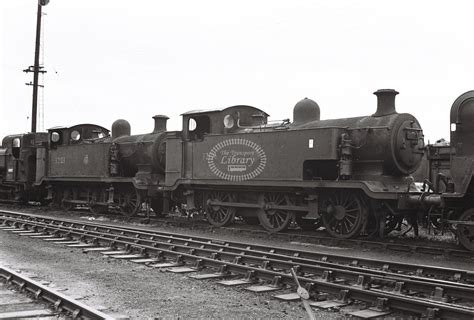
[(16, 147), (75, 136), (198, 126)]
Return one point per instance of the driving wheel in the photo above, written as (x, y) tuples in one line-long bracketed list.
[(130, 202), (271, 218), (466, 232), (220, 215), (345, 214), (67, 196)]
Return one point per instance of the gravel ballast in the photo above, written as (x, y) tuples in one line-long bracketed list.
[(137, 291)]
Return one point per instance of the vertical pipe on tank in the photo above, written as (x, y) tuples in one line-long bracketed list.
[(114, 162), (345, 161)]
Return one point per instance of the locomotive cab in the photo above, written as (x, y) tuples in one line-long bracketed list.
[(462, 136), (450, 172), (81, 133), (462, 166), (18, 170), (198, 123), (182, 147), (75, 152)]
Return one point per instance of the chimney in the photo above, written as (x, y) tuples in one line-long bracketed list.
[(385, 102), (160, 123)]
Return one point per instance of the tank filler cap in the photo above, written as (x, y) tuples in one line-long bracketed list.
[(306, 110), (120, 128)]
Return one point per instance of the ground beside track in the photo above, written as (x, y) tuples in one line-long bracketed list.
[(135, 290)]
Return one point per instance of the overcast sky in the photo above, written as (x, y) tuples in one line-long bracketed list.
[(112, 59)]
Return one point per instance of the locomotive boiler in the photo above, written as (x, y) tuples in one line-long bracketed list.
[(140, 152), (385, 143), (347, 174)]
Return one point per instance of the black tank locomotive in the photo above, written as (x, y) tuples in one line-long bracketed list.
[(87, 166), (18, 167), (448, 188), (343, 173)]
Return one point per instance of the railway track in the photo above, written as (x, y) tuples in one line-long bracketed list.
[(390, 244), (22, 297), (385, 286), (318, 238)]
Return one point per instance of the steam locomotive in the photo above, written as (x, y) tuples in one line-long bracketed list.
[(350, 175)]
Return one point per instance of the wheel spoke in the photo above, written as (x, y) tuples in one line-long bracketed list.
[(345, 200), (280, 217), (274, 221), (344, 227), (353, 204), (349, 223), (332, 220), (351, 218)]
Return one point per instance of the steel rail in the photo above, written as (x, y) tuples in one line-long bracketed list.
[(315, 239), (439, 288), (59, 301), (331, 241), (248, 256), (187, 254), (458, 275)]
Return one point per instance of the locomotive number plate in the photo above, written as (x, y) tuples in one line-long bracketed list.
[(60, 160)]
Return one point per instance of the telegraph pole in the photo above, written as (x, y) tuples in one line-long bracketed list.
[(36, 69)]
